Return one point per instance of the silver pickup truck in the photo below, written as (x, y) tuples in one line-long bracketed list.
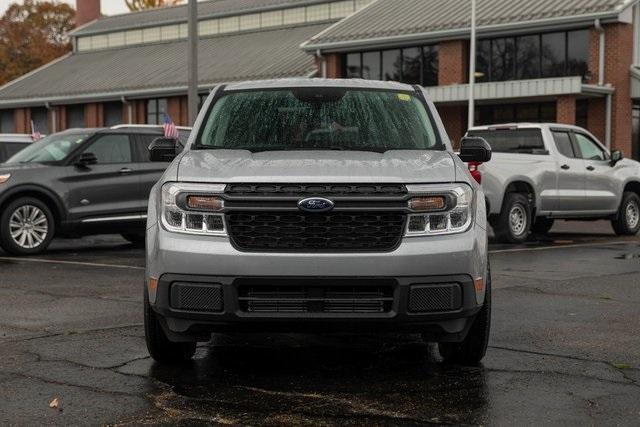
[(543, 172)]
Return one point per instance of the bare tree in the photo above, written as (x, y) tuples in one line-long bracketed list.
[(135, 5)]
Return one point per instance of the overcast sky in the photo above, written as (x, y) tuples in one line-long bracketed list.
[(109, 7)]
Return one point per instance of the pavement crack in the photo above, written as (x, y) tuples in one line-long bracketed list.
[(80, 386)]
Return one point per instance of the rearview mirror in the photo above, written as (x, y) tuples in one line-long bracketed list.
[(86, 159), (616, 156), (163, 149), (474, 149)]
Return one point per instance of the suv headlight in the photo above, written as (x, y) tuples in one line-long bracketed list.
[(440, 209), (193, 208)]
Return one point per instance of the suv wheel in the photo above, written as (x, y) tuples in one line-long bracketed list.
[(542, 225), (514, 222), (627, 222), (26, 227), (471, 351), (160, 347)]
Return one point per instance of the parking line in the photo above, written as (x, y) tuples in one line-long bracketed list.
[(548, 248), (81, 263)]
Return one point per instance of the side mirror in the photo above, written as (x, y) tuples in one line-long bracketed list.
[(86, 159), (163, 149), (474, 149), (616, 156)]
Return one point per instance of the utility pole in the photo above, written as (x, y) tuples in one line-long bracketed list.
[(192, 60), (472, 65)]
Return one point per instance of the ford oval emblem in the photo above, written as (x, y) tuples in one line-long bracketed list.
[(315, 204)]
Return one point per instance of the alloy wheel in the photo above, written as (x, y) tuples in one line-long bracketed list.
[(518, 220), (632, 214), (28, 226)]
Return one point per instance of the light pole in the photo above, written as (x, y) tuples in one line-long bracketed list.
[(192, 61), (472, 65)]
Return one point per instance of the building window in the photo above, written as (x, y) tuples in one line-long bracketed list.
[(272, 19), (582, 113), (229, 25), (40, 120), (75, 116), (294, 16), (112, 113), (156, 109), (533, 56), (7, 122), (525, 112), (414, 65), (249, 22)]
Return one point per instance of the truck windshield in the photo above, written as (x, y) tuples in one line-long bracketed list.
[(52, 148), (319, 119)]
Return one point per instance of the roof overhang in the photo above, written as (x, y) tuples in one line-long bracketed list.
[(536, 88), (512, 28)]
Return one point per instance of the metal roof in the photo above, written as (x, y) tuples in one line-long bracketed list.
[(168, 15), (388, 19), (162, 68)]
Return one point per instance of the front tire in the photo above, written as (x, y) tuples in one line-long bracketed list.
[(514, 222), (27, 226), (160, 347), (474, 347), (627, 222)]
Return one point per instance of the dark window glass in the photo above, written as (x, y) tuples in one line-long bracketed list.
[(40, 120), (563, 144), (582, 112), (500, 114), (7, 122), (142, 143), (51, 148), (513, 141), (503, 114), (528, 57), (553, 54), (528, 113), (547, 112), (354, 66), (75, 116), (392, 65), (503, 59), (371, 66), (430, 65), (577, 53), (112, 112), (319, 119), (588, 149), (111, 149), (156, 108), (483, 61), (412, 65)]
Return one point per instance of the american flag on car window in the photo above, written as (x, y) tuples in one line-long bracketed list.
[(35, 135), (170, 129)]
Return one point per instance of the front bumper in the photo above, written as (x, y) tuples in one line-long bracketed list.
[(459, 258)]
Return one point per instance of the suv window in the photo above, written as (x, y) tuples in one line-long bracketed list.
[(563, 143), (589, 149), (111, 149), (319, 119), (527, 141), (142, 143)]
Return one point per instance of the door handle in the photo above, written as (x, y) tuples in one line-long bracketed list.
[(125, 171), (590, 168), (565, 167)]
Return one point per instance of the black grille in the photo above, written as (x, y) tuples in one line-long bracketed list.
[(437, 297), (196, 297), (315, 299), (365, 190), (333, 231)]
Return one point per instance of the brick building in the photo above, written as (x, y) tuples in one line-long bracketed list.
[(575, 61)]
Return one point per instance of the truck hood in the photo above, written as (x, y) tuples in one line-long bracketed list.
[(400, 166)]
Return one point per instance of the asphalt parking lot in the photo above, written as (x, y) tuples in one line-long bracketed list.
[(565, 349)]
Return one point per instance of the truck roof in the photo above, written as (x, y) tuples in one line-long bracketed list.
[(302, 82), (525, 125)]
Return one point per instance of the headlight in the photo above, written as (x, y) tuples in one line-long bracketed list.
[(443, 209), (4, 178), (193, 208)]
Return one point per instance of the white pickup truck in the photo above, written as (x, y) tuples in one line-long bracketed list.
[(543, 172)]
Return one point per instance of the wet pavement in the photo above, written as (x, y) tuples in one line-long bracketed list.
[(565, 349)]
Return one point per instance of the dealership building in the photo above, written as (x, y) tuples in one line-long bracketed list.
[(571, 61)]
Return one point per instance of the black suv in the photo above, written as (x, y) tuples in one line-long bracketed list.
[(79, 182), (11, 143)]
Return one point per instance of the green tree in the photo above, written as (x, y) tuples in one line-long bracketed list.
[(135, 5), (33, 34)]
